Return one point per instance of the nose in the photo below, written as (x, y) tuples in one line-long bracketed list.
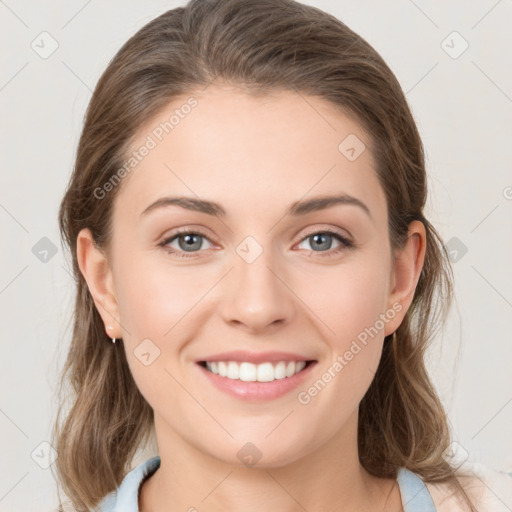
[(257, 296)]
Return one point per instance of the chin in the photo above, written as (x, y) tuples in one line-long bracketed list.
[(254, 454)]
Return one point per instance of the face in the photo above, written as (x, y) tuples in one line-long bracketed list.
[(265, 279)]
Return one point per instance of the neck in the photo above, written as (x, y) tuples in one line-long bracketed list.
[(330, 478)]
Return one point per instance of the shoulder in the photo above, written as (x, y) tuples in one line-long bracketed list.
[(489, 490), (125, 497)]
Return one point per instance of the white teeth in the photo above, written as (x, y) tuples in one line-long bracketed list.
[(280, 370), (233, 371), (249, 372), (290, 368), (223, 369), (265, 372)]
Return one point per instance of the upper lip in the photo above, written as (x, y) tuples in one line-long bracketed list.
[(255, 357)]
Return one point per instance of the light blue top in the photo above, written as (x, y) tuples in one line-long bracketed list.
[(415, 495)]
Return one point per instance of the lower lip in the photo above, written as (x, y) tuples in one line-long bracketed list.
[(257, 391)]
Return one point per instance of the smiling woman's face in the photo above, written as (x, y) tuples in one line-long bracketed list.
[(254, 278)]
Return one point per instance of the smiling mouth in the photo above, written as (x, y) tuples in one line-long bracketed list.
[(250, 372)]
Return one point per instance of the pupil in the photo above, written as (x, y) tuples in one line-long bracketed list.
[(189, 242), (320, 237)]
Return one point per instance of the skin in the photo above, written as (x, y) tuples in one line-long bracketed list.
[(255, 156)]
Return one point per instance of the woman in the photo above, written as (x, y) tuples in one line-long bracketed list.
[(245, 219)]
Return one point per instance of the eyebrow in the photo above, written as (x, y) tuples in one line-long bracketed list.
[(298, 208)]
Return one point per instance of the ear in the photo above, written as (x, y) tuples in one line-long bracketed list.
[(405, 273), (95, 268)]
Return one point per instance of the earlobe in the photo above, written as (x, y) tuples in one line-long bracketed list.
[(406, 272), (95, 268)]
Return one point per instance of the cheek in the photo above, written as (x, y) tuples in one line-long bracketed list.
[(347, 300), (159, 307), (153, 302), (351, 304), (154, 297), (352, 308)]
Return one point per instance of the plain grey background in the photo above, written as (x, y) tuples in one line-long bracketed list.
[(452, 60)]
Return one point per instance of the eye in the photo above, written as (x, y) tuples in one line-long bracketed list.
[(322, 240), (188, 242)]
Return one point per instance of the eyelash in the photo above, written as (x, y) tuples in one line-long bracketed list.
[(345, 243)]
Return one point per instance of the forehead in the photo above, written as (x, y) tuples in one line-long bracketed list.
[(249, 151)]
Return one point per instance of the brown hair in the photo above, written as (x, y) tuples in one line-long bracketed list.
[(260, 45)]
